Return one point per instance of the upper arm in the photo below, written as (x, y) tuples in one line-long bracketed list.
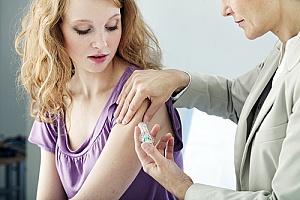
[(49, 184), (162, 118), (117, 166)]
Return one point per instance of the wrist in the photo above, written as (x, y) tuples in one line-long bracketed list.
[(182, 189), (183, 80), (183, 85), (183, 184)]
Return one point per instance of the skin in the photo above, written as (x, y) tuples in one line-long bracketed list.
[(140, 86), (92, 82), (92, 28), (256, 18), (259, 17), (158, 161), (279, 17)]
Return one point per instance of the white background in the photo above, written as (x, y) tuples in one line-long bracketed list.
[(195, 37)]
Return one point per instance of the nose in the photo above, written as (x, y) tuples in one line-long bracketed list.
[(226, 9), (99, 41)]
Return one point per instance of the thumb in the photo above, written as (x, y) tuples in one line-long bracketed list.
[(153, 153)]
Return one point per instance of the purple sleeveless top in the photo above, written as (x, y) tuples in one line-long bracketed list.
[(74, 166)]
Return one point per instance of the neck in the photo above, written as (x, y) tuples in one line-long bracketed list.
[(289, 25), (89, 85)]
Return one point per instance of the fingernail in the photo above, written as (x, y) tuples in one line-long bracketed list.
[(118, 120), (146, 146), (124, 121)]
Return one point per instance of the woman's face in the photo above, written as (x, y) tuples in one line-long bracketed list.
[(256, 17), (92, 32)]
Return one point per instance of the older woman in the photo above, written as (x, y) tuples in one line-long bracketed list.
[(265, 104)]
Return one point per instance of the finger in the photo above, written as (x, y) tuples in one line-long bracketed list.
[(126, 88), (154, 131), (121, 97), (162, 143), (136, 100), (153, 153), (169, 153), (143, 157), (153, 108), (119, 108), (125, 106)]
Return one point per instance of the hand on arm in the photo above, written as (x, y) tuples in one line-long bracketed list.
[(155, 85), (162, 168)]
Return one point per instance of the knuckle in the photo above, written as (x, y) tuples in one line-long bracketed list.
[(123, 95), (151, 151), (138, 80), (127, 102), (122, 112), (132, 107), (146, 169), (143, 91), (135, 75)]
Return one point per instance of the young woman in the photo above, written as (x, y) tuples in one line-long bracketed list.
[(76, 57)]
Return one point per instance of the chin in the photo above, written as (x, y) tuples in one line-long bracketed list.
[(252, 35)]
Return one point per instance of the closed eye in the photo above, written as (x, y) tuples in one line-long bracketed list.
[(111, 28), (82, 32)]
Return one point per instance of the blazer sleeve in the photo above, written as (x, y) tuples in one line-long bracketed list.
[(218, 96), (280, 150)]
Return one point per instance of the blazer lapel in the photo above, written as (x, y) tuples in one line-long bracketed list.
[(294, 54), (241, 141), (266, 107), (292, 60)]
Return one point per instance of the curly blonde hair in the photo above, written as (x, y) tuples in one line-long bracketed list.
[(46, 67)]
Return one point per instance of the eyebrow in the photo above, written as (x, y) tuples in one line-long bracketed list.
[(86, 20)]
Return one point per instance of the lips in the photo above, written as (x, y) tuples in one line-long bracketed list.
[(239, 22), (98, 58)]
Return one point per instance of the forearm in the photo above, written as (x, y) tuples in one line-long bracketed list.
[(115, 169), (49, 184), (117, 166)]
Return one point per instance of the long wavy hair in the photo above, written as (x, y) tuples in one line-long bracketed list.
[(46, 67)]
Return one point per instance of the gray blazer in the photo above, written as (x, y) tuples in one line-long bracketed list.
[(267, 162)]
